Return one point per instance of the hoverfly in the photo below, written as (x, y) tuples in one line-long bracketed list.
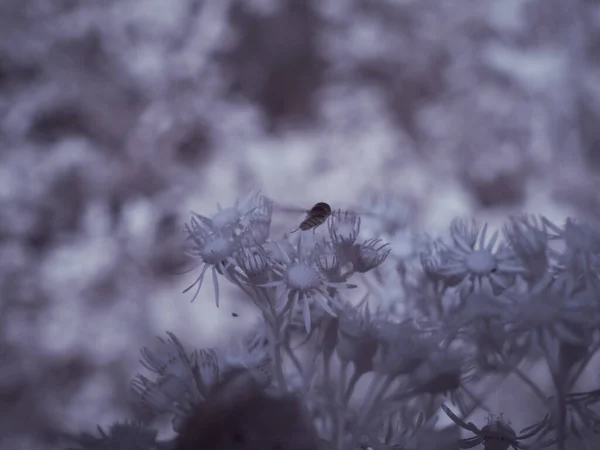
[(315, 216)]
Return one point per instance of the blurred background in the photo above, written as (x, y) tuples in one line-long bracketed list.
[(118, 117)]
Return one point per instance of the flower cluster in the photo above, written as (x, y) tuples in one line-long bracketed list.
[(475, 308)]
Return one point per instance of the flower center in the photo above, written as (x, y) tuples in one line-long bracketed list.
[(303, 277), (481, 262), (216, 250)]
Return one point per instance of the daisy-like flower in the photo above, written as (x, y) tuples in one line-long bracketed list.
[(255, 264), (369, 255), (394, 212), (548, 316), (253, 209), (356, 338), (498, 434), (344, 228), (529, 240), (402, 347), (181, 378), (251, 353), (302, 281), (580, 259), (475, 261), (215, 241), (215, 248)]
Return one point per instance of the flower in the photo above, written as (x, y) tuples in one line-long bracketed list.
[(356, 338), (402, 347), (251, 353), (496, 435), (580, 260), (547, 316), (343, 230), (529, 240), (170, 359), (217, 240), (183, 379), (473, 263), (369, 255), (302, 280), (254, 263), (215, 248)]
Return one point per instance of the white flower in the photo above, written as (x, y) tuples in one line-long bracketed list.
[(402, 347), (302, 280), (356, 338), (548, 316), (370, 254), (255, 264), (252, 353), (343, 229), (497, 434), (475, 263), (215, 248), (254, 209), (580, 260), (182, 378), (529, 240), (170, 359)]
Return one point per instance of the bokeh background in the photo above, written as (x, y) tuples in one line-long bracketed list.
[(118, 117)]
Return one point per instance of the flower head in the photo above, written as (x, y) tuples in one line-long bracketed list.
[(216, 250), (302, 280), (369, 255), (181, 378), (474, 262), (548, 316), (580, 259), (251, 353), (356, 338), (255, 264), (529, 240), (344, 228), (496, 435)]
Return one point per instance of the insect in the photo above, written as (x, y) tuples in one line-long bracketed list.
[(315, 217)]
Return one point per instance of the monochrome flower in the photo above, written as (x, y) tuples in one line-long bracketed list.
[(402, 347), (253, 353), (344, 228), (254, 263), (215, 248), (529, 240), (580, 259), (356, 338), (170, 359), (498, 434), (547, 315), (301, 280), (475, 261), (369, 255), (252, 210), (181, 377)]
